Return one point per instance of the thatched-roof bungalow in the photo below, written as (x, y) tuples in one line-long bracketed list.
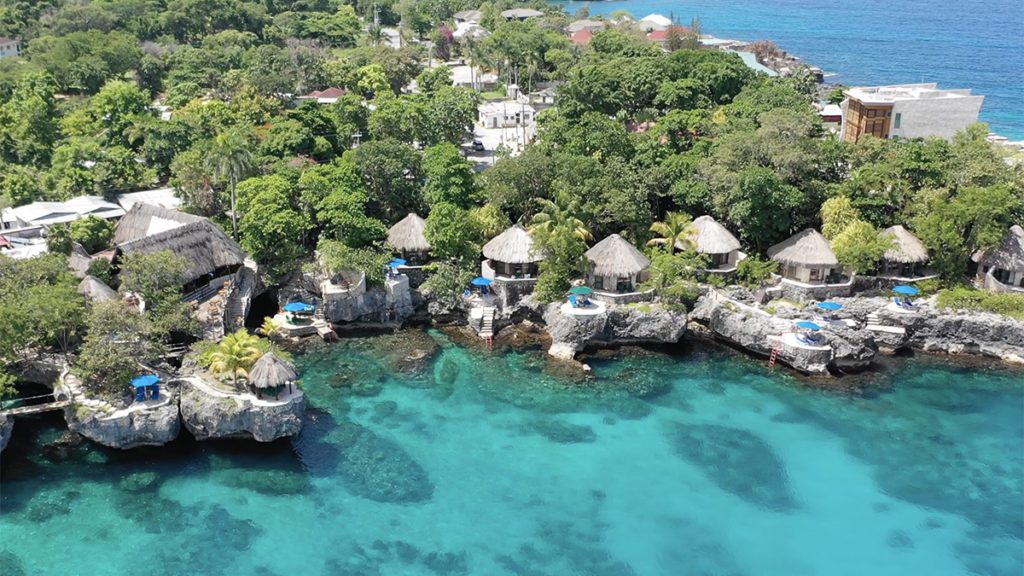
[(713, 239), (907, 256), (1002, 268), (209, 252), (511, 255), (270, 374), (95, 290), (407, 236), (805, 257), (616, 265)]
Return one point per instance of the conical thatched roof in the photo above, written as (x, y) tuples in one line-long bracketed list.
[(711, 237), (407, 234), (614, 256), (270, 371), (95, 290), (202, 243), (906, 248), (1009, 255), (513, 246), (807, 248)]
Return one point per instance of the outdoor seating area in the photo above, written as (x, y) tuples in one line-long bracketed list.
[(146, 387), (901, 301), (272, 375), (579, 303)]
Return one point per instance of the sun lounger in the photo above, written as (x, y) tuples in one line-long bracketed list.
[(140, 395), (572, 301), (155, 393)]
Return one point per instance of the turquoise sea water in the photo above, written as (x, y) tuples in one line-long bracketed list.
[(475, 463), (975, 44)]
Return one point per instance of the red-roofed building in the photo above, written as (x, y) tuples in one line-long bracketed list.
[(661, 36), (582, 37), (325, 96)]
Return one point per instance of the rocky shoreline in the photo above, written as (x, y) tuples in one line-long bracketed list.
[(867, 328)]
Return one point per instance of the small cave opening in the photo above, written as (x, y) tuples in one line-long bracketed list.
[(261, 306)]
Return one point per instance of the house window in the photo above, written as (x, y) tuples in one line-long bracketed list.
[(815, 274), (896, 121), (872, 113), (598, 282), (623, 285)]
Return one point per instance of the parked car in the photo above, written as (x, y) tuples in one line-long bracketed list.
[(478, 146)]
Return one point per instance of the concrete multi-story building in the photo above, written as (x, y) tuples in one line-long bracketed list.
[(908, 111), (9, 47)]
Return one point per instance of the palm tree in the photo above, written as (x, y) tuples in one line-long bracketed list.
[(554, 218), (234, 355), (674, 231), (375, 35), (231, 158)]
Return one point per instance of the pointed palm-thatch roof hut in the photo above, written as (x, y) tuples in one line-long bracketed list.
[(407, 236), (205, 247), (95, 290), (514, 245), (1004, 263), (617, 265), (906, 257), (716, 241), (906, 248), (805, 257), (270, 371), (512, 253), (710, 237)]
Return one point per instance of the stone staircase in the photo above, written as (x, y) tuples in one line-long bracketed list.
[(239, 298), (74, 389), (487, 323)]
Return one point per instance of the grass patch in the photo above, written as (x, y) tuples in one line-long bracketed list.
[(1005, 303), (644, 307), (781, 303)]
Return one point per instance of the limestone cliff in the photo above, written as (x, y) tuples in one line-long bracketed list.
[(617, 325), (209, 412), (756, 331), (148, 424)]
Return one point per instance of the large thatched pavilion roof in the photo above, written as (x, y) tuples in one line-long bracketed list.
[(1009, 255), (906, 248), (614, 256), (407, 234), (270, 371), (808, 248), (710, 237), (513, 246), (147, 229)]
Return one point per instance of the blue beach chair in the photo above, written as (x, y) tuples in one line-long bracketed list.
[(572, 301)]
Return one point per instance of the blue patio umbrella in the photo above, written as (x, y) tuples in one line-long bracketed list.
[(145, 380), (807, 325), (906, 290), (481, 281), (396, 263), (298, 307), (830, 306)]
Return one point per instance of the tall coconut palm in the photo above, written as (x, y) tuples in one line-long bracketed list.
[(234, 355), (674, 231), (231, 158)]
